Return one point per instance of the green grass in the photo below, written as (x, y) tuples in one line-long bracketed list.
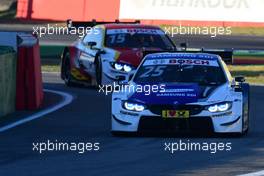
[(50, 68), (255, 31), (48, 51), (254, 74)]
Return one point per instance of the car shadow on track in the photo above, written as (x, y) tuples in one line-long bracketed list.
[(177, 135)]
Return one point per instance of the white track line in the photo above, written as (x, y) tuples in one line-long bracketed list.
[(67, 99), (259, 173)]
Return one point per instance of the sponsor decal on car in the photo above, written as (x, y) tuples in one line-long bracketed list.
[(135, 30), (175, 61), (175, 114), (171, 95)]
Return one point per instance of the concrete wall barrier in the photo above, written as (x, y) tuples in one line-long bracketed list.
[(8, 61)]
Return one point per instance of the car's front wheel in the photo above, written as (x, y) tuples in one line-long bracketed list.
[(246, 108), (67, 77), (246, 121), (98, 71)]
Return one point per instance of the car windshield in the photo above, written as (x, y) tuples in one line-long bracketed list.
[(138, 38), (180, 71)]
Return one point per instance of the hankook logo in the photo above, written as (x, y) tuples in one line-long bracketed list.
[(228, 4)]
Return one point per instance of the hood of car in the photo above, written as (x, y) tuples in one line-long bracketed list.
[(172, 94)]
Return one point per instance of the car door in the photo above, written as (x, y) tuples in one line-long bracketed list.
[(88, 53)]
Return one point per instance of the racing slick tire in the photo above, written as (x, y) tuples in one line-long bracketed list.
[(66, 69), (246, 108), (98, 71), (246, 111)]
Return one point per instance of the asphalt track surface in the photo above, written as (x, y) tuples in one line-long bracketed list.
[(87, 119)]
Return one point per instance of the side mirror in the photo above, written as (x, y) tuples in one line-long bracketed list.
[(183, 46), (240, 79), (237, 83), (91, 44)]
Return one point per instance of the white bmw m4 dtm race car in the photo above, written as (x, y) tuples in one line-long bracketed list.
[(182, 92)]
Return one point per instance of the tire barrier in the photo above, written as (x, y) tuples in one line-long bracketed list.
[(8, 62), (29, 92)]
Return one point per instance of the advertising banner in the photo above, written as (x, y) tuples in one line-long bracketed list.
[(194, 10)]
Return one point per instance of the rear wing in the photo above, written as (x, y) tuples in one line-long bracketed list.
[(93, 23), (225, 54)]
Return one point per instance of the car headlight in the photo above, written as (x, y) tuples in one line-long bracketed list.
[(118, 66), (127, 68), (220, 107), (122, 67), (133, 106)]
